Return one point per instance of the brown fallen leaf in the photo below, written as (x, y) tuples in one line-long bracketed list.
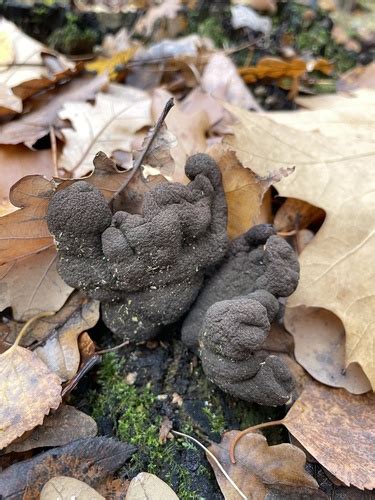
[(159, 155), (108, 125), (34, 125), (165, 426), (61, 427), (28, 391), (297, 214), (337, 428), (167, 10), (147, 486), (67, 488), (19, 161), (319, 338), (244, 190), (91, 460), (262, 471), (27, 249), (332, 172), (60, 352), (32, 67)]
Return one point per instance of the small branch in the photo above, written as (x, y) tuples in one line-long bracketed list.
[(168, 106), (222, 470), (113, 349), (246, 431)]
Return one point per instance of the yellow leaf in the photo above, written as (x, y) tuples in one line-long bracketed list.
[(111, 65), (6, 49)]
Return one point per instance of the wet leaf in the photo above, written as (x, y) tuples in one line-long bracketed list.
[(28, 391), (332, 172), (61, 427), (262, 471), (66, 488), (147, 486), (319, 338), (91, 460), (108, 125)]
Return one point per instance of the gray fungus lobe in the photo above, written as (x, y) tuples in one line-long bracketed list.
[(149, 270)]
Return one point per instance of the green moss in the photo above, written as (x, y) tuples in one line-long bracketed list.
[(136, 421), (71, 39), (215, 417)]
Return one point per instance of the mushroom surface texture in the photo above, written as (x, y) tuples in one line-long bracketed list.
[(145, 269), (231, 318)]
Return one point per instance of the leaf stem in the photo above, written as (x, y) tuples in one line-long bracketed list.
[(25, 328), (138, 162), (246, 431)]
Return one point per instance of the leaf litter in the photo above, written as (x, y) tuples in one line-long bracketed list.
[(333, 132)]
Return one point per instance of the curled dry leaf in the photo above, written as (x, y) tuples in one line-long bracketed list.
[(66, 488), (61, 427), (297, 214), (159, 155), (36, 124), (147, 486), (262, 471), (319, 338), (60, 352), (332, 172), (244, 190), (32, 66), (110, 124), (28, 391)]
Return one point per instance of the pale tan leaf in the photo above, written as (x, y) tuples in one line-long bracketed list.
[(62, 426), (60, 352), (8, 99), (189, 130), (159, 154), (67, 488), (33, 67), (332, 172), (107, 125), (167, 9), (34, 125), (261, 470), (147, 486), (319, 338), (28, 390)]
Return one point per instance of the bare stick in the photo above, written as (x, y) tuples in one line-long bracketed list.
[(168, 106)]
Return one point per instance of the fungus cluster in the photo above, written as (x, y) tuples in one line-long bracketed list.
[(150, 269)]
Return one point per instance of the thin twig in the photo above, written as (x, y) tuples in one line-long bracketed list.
[(113, 349), (53, 150), (222, 470), (95, 358), (138, 162)]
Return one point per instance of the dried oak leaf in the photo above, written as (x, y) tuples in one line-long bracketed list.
[(332, 172), (28, 391), (338, 430), (262, 471), (91, 460), (60, 352), (67, 488), (61, 427), (29, 279), (36, 124), (147, 486), (110, 124), (33, 67)]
